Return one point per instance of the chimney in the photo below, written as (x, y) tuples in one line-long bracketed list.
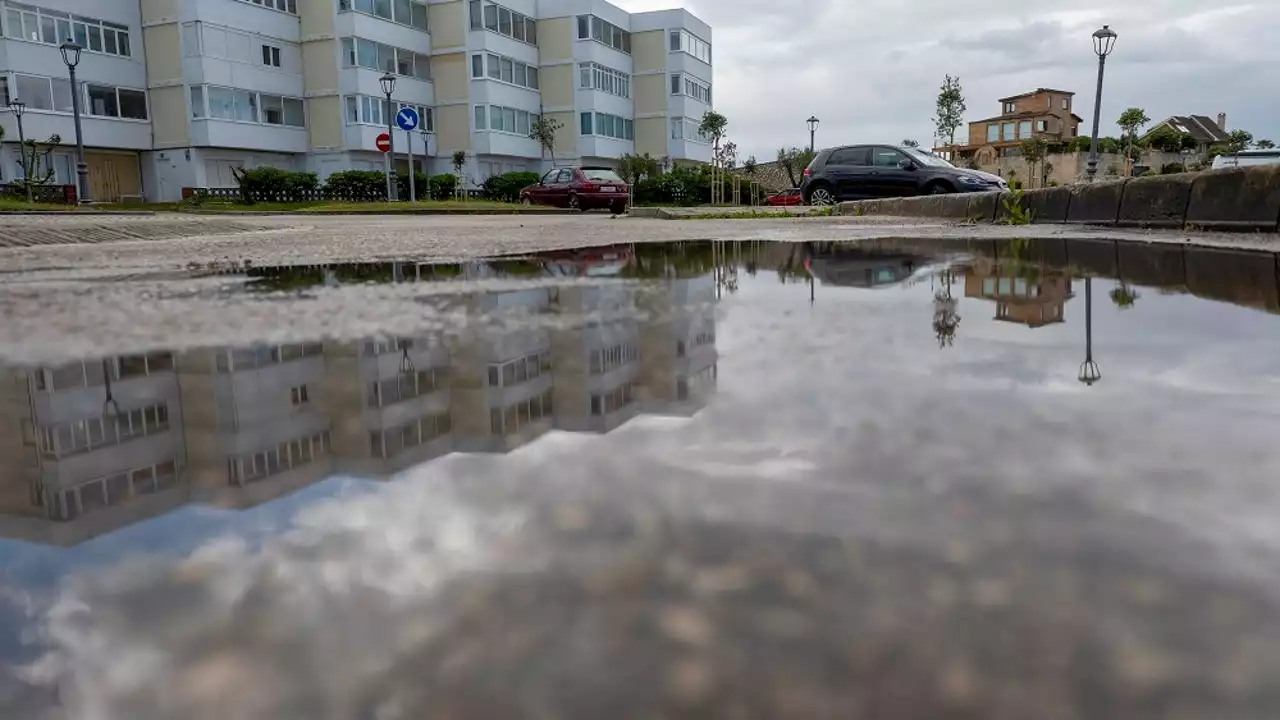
[(1222, 121)]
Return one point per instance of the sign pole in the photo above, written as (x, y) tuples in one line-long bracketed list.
[(408, 153)]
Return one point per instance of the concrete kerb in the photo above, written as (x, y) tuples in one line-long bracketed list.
[(982, 206), (1236, 199), (1096, 203), (1046, 205), (1157, 202)]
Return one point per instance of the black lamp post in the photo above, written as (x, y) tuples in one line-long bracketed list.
[(388, 83), (71, 57), (17, 107), (1103, 41), (1089, 372), (813, 129)]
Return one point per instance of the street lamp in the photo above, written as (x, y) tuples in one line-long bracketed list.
[(17, 107), (388, 83), (1103, 41), (426, 154), (813, 129), (1089, 372), (71, 57)]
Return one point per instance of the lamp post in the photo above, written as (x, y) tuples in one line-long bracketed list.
[(17, 107), (813, 130), (388, 83), (426, 155), (1103, 41), (1089, 372), (71, 57)]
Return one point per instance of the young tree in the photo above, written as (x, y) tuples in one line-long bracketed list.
[(634, 168), (950, 112), (793, 161), (1264, 145), (1166, 139), (544, 130), (1239, 141), (36, 160), (459, 161), (1033, 151), (1131, 122), (713, 126), (749, 166), (910, 143)]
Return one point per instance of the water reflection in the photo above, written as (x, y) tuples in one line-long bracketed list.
[(107, 442)]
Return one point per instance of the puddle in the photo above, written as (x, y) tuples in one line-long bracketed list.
[(892, 479)]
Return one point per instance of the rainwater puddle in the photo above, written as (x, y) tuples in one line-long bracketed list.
[(746, 480)]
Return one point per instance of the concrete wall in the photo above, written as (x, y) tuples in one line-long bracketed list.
[(1067, 168), (1246, 199)]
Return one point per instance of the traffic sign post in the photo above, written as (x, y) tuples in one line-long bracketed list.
[(408, 121)]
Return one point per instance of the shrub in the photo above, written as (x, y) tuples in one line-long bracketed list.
[(507, 186), (419, 185), (1172, 168), (356, 185), (443, 186), (268, 184), (1015, 209)]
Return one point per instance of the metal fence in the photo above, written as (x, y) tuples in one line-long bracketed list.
[(314, 195), (65, 194)]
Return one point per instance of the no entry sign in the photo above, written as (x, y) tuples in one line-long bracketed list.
[(383, 142)]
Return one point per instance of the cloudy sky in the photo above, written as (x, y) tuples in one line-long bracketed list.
[(870, 69)]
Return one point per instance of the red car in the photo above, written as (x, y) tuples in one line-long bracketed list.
[(579, 189), (786, 197)]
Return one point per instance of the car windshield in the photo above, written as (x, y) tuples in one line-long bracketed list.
[(605, 175), (927, 158)]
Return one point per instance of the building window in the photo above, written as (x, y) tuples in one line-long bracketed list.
[(359, 52), (591, 27), (404, 387), (54, 94), (80, 436), (685, 41), (594, 76), (1009, 108), (505, 69), (504, 21), (52, 27), (405, 12), (256, 467), (608, 125), (691, 87), (367, 110), (520, 370), (1066, 103), (114, 489), (613, 401), (504, 119), (252, 358), (1024, 129), (1042, 126), (993, 132), (289, 6), (687, 129), (611, 358), (1007, 131), (271, 55), (299, 395), (247, 106), (391, 443), (514, 418)]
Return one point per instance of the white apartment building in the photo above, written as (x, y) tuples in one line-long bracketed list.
[(177, 93)]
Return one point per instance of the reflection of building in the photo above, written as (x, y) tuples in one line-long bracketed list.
[(1034, 302), (237, 427), (90, 446)]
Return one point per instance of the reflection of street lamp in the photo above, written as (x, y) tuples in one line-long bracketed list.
[(813, 129), (1103, 41), (71, 57), (17, 107), (110, 408), (1089, 372), (388, 83)]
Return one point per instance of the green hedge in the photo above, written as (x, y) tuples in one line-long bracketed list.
[(268, 184), (507, 187), (681, 186), (356, 185)]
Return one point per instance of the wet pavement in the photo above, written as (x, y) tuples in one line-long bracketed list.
[(899, 478)]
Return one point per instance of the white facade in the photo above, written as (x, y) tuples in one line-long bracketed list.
[(177, 95)]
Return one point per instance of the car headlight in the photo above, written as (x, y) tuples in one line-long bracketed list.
[(972, 180)]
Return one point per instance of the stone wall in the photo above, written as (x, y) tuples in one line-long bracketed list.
[(1243, 199), (1068, 168)]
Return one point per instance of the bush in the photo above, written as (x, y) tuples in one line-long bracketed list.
[(1172, 168), (681, 186), (356, 185), (507, 186), (268, 184), (419, 185), (443, 186)]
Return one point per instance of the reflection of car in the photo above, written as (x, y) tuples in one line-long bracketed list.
[(578, 188), (871, 171), (863, 269), (784, 198), (1246, 157)]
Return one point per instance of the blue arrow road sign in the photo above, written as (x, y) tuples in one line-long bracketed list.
[(407, 119)]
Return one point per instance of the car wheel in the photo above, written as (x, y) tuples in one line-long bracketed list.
[(618, 208), (574, 203), (939, 189), (526, 200), (822, 195)]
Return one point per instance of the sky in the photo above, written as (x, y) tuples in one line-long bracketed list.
[(870, 70)]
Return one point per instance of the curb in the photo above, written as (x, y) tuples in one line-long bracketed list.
[(81, 213), (421, 211)]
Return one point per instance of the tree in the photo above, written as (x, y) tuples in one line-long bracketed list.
[(910, 143), (728, 156), (1239, 141), (793, 161), (1033, 151), (1131, 122), (1166, 139), (749, 166), (634, 168), (1264, 145), (950, 112), (544, 129), (713, 126), (459, 161), (36, 160), (1124, 296)]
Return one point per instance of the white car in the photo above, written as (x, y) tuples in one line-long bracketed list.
[(1245, 158)]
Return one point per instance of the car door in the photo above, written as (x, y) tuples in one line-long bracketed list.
[(849, 168), (888, 178), (541, 192), (558, 191)]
